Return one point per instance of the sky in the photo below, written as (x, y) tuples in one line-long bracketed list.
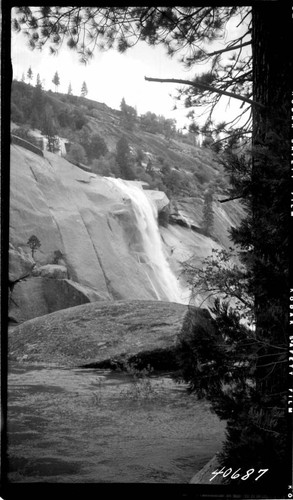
[(110, 76)]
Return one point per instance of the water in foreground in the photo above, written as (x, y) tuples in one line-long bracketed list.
[(94, 426)]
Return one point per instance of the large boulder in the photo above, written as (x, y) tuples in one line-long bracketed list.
[(20, 264), (101, 334), (160, 198), (53, 271), (37, 296)]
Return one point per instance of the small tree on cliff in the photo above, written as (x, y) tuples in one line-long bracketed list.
[(34, 243)]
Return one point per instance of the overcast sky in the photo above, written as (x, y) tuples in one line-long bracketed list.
[(110, 76)]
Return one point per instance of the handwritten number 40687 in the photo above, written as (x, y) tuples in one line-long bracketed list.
[(235, 475)]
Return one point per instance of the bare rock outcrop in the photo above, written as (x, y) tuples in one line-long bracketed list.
[(20, 264), (53, 271), (102, 334)]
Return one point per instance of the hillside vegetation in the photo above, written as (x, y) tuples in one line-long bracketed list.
[(117, 142)]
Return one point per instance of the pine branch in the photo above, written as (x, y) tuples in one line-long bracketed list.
[(203, 86), (231, 199), (227, 49)]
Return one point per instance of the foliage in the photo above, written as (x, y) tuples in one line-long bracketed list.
[(76, 154), (30, 73), (49, 129), (56, 81), (142, 387), (58, 255), (128, 117), (124, 160), (96, 147), (34, 243), (106, 165), (16, 114), (84, 90), (222, 275), (186, 31), (219, 359), (163, 217), (150, 122)]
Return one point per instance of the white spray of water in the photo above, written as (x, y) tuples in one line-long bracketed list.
[(146, 220)]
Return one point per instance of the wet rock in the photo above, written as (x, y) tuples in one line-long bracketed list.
[(102, 333)]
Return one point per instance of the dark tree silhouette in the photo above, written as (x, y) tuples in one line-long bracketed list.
[(30, 74), (56, 81), (34, 243), (84, 90)]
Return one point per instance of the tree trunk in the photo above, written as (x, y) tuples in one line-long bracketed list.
[(270, 217), (271, 161)]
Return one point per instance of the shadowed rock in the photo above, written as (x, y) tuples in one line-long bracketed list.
[(38, 296)]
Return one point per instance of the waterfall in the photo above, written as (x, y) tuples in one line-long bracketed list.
[(158, 271)]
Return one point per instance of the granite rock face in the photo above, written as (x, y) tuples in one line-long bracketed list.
[(81, 216), (37, 296), (91, 226), (101, 334)]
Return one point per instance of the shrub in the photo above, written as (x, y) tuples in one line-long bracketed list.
[(76, 154), (17, 115), (163, 217), (57, 256)]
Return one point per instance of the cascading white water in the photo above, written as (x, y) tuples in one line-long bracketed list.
[(162, 279)]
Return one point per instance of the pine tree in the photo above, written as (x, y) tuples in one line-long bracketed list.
[(84, 90), (128, 115), (56, 81), (69, 91), (34, 243), (123, 158), (23, 78), (49, 129), (30, 74), (37, 105)]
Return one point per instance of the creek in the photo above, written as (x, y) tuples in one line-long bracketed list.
[(99, 426)]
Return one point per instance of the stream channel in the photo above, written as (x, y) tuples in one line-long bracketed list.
[(99, 426)]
